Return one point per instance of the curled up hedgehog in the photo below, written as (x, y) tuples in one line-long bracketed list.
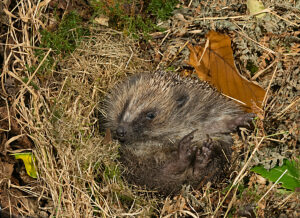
[(172, 130)]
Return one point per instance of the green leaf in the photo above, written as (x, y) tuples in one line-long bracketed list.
[(28, 160), (290, 180)]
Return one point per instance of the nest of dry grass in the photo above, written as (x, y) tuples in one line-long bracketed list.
[(71, 128), (55, 116)]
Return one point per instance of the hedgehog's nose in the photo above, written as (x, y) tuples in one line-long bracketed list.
[(121, 132)]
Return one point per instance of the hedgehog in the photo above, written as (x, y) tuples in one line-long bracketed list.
[(172, 130)]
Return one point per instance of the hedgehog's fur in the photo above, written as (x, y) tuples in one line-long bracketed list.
[(156, 116)]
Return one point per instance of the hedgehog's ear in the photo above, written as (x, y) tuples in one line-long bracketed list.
[(181, 99)]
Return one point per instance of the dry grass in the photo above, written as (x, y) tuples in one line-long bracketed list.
[(78, 173), (70, 152), (69, 149)]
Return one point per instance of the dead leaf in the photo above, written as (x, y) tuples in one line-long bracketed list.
[(102, 20), (29, 162), (167, 209), (10, 86), (6, 170), (8, 124), (216, 66), (178, 203), (107, 138), (256, 6)]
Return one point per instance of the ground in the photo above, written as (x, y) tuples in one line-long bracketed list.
[(57, 66)]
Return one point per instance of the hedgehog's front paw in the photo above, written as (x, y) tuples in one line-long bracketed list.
[(242, 121), (203, 156), (186, 152)]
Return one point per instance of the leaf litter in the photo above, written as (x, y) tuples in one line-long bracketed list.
[(77, 172)]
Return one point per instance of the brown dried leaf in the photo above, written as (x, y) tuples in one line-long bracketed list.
[(107, 138), (9, 124), (256, 6), (216, 66), (102, 20), (6, 170)]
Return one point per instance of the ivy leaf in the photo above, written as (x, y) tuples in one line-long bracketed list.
[(28, 160), (290, 180)]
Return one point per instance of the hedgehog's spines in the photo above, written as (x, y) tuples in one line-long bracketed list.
[(151, 112)]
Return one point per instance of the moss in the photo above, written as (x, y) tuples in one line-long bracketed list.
[(252, 67), (126, 199), (34, 85), (162, 9), (112, 172), (138, 24), (63, 41)]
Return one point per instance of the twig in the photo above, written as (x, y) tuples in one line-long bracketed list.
[(237, 179), (287, 108), (190, 3), (131, 55), (231, 202), (204, 50), (238, 101), (261, 46), (272, 186), (267, 10), (281, 203), (220, 18), (271, 12), (168, 32), (268, 89), (180, 49), (262, 71)]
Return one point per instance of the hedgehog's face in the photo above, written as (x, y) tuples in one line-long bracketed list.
[(136, 129), (138, 113)]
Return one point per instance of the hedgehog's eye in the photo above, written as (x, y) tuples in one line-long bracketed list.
[(150, 115)]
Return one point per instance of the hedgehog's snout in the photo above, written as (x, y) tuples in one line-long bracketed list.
[(121, 131)]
